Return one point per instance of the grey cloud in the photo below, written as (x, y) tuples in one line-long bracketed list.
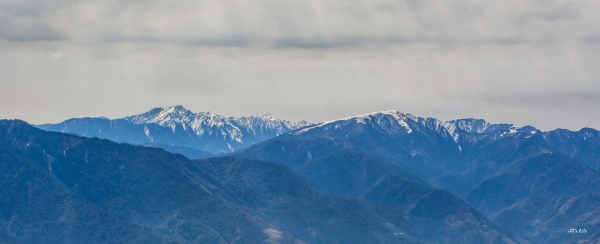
[(297, 23), (559, 12), (317, 59), (558, 99), (592, 38), (547, 111), (26, 31)]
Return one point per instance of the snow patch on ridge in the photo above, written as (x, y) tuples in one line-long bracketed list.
[(451, 128), (147, 132)]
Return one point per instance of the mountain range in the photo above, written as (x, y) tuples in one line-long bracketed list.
[(408, 178), (176, 127), (494, 168), (60, 188)]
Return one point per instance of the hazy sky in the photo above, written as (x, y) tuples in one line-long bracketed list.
[(525, 62)]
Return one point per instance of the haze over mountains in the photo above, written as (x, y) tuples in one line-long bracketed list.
[(404, 178)]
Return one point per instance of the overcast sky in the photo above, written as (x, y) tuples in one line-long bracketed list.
[(524, 62)]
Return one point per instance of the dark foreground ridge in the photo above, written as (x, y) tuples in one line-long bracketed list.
[(383, 177), (61, 188)]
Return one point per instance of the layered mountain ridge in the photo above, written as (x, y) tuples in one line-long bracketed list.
[(446, 178), (490, 166), (454, 128), (61, 188), (177, 126), (468, 132)]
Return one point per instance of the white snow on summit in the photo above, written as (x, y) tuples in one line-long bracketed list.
[(207, 123), (377, 117), (455, 129), (471, 125)]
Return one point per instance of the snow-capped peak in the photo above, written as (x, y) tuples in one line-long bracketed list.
[(169, 117), (377, 117), (145, 117), (448, 129), (480, 126), (264, 116), (471, 125), (215, 124), (177, 108)]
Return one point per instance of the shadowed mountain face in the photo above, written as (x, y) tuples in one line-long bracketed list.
[(437, 215), (287, 201), (177, 127), (582, 145), (185, 151), (491, 166), (545, 219), (438, 176), (67, 189), (548, 175), (59, 188)]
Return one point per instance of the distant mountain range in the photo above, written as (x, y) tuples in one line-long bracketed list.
[(178, 127), (496, 168), (406, 179)]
